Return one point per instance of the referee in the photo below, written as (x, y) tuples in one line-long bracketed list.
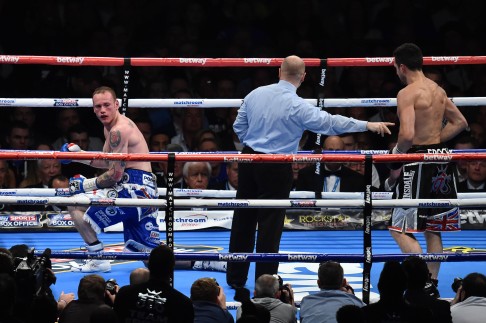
[(271, 120)]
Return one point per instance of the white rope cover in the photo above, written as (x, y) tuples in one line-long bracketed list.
[(213, 103)]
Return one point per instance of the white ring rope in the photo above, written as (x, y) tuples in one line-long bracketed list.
[(214, 103), (186, 192), (233, 203)]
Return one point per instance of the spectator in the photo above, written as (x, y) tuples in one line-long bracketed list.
[(477, 132), (335, 293), (350, 314), (209, 302), (156, 299), (218, 171), (469, 305), (139, 275), (391, 306), (78, 134), (418, 295), (296, 167), (178, 166), (7, 176), (229, 139), (28, 116), (351, 143), (34, 303), (6, 262), (58, 181), (463, 142), (475, 177), (45, 170), (268, 294), (159, 142), (145, 127), (103, 314), (196, 174), (231, 183), (202, 135), (18, 138), (8, 293), (253, 313), (333, 177), (91, 295), (192, 122), (66, 119)]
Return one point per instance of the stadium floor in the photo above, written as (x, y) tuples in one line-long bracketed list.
[(302, 276)]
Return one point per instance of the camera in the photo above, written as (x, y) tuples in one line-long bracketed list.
[(456, 284), (285, 292), (35, 271), (111, 286)]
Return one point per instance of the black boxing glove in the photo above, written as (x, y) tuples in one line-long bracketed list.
[(394, 165)]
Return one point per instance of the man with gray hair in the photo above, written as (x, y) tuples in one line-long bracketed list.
[(268, 293)]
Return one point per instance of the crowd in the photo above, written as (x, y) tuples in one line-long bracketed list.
[(26, 296), (230, 29), (223, 29), (195, 134)]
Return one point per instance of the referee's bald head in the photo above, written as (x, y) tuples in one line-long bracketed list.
[(292, 68)]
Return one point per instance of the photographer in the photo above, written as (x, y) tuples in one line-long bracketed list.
[(209, 302), (469, 304), (269, 292), (33, 276), (92, 290)]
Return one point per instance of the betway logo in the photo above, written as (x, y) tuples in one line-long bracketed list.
[(437, 157), (71, 60), (445, 59), (9, 59), (306, 159), (232, 257), (388, 60), (301, 258), (434, 257), (201, 61), (257, 60)]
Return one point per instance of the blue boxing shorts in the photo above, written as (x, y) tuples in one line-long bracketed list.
[(426, 181), (140, 229)]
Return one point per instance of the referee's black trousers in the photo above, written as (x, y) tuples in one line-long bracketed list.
[(258, 181)]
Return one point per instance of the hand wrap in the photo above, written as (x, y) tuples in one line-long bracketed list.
[(80, 184)]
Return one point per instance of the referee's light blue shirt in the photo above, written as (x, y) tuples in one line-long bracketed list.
[(272, 119)]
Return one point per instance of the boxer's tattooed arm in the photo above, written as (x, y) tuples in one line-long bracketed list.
[(117, 144), (115, 140), (112, 175)]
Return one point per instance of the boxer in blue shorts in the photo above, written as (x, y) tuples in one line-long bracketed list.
[(122, 179)]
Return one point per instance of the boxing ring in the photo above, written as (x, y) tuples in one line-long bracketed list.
[(365, 199)]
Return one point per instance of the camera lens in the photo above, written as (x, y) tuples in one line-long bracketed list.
[(456, 284), (111, 286)]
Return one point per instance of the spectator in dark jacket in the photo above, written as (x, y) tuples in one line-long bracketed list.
[(155, 299), (416, 295), (209, 302)]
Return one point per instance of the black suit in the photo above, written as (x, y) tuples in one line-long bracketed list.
[(441, 309), (350, 181), (462, 187)]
